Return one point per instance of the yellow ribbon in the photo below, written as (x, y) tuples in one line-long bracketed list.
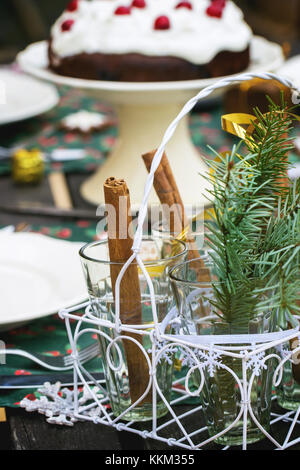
[(233, 124), (242, 124)]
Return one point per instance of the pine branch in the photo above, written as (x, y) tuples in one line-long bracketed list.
[(255, 230)]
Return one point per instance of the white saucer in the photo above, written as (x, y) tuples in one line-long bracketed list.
[(23, 97), (39, 275)]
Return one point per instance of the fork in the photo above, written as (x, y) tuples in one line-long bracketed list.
[(58, 155), (56, 363)]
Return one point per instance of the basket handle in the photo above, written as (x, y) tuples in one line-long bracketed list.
[(222, 83)]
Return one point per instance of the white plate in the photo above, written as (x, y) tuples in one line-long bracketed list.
[(39, 275), (24, 97)]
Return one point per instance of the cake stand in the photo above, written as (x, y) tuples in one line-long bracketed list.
[(145, 110)]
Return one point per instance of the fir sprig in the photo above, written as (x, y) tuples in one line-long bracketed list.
[(255, 228)]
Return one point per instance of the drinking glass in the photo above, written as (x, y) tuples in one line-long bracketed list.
[(126, 384), (220, 395)]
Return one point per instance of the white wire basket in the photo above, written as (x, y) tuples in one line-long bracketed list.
[(203, 354), (180, 427)]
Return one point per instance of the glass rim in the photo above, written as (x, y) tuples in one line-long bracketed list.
[(162, 229), (146, 263), (199, 283), (183, 281)]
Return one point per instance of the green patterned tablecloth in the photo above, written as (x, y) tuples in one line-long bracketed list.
[(44, 132)]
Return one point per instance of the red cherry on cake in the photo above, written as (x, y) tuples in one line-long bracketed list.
[(215, 9), (139, 4), (122, 10), (162, 23), (67, 25), (73, 5), (184, 5)]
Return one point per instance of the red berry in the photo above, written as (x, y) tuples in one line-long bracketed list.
[(184, 5), (162, 22), (122, 10), (215, 10), (139, 4), (67, 25), (73, 5)]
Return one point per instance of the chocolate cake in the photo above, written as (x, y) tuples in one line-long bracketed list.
[(149, 40)]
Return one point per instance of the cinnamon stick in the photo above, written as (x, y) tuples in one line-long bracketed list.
[(117, 201), (168, 194), (167, 191)]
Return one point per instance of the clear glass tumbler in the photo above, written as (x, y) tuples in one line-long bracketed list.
[(220, 395), (127, 383)]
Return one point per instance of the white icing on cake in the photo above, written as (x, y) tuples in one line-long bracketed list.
[(193, 35)]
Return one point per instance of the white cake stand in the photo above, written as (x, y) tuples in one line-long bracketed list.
[(145, 110)]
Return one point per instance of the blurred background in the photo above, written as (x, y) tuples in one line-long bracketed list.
[(25, 21)]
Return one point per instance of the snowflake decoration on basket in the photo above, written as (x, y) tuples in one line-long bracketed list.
[(257, 363), (58, 404), (205, 359), (283, 350), (168, 354)]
